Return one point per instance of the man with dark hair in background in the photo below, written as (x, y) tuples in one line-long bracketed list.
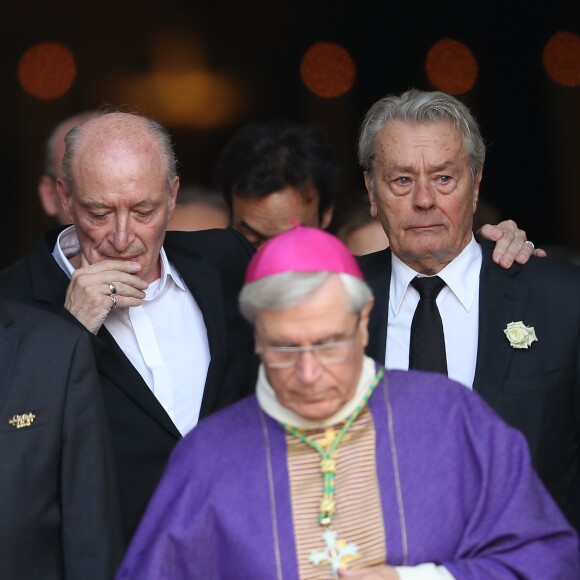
[(274, 173)]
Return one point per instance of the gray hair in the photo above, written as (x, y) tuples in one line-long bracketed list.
[(154, 128), (420, 107), (288, 289)]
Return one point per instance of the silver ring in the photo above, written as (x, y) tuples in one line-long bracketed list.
[(112, 288), (530, 244), (114, 299)]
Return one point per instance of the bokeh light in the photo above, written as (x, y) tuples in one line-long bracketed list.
[(561, 58), (180, 89), (47, 70), (451, 67), (197, 99), (327, 69)]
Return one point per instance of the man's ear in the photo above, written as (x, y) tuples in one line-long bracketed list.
[(173, 198), (370, 191), (476, 183), (364, 321), (48, 195), (326, 217)]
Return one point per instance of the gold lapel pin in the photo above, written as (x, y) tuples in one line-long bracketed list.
[(24, 420)]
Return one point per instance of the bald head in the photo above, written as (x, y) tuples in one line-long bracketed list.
[(106, 136), (118, 186)]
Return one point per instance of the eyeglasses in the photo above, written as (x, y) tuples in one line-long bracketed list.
[(329, 353)]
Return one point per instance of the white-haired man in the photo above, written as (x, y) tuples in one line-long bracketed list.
[(505, 333)]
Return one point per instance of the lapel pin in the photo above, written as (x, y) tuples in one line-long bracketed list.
[(24, 420)]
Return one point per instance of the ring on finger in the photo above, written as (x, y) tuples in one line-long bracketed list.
[(114, 300), (112, 288), (531, 244)]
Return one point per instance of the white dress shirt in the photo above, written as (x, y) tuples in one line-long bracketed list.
[(165, 338), (458, 304)]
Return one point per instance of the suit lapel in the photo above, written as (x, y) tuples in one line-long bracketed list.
[(501, 300), (49, 282), (376, 268), (114, 364)]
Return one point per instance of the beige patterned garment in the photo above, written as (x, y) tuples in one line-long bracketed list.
[(358, 517)]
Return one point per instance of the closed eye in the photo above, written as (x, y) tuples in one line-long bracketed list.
[(144, 214)]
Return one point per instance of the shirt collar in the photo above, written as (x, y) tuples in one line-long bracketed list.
[(271, 406), (461, 276), (168, 272), (67, 245)]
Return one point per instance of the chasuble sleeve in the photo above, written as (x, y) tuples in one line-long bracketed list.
[(515, 528)]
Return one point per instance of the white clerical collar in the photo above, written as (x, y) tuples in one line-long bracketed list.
[(461, 276), (270, 405), (67, 245)]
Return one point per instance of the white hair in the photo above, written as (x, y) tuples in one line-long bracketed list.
[(288, 289)]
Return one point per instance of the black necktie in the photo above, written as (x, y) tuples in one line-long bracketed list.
[(427, 348)]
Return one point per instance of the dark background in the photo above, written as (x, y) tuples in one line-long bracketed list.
[(531, 124)]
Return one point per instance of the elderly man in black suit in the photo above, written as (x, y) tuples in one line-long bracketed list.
[(60, 515), (170, 344), (510, 335)]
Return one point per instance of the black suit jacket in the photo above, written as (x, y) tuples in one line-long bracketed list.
[(59, 516), (212, 264), (537, 390)]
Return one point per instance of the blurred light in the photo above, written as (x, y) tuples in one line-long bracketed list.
[(327, 69), (180, 90), (197, 99), (561, 58), (451, 67), (47, 70)]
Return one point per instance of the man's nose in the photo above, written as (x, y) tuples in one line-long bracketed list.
[(424, 194), (121, 237), (308, 367)]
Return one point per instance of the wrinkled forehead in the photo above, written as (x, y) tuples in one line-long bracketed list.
[(401, 142), (115, 150), (417, 132), (138, 156)]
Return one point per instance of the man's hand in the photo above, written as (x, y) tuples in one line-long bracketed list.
[(88, 296), (372, 573), (510, 243)]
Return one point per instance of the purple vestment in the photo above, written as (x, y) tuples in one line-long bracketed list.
[(469, 499)]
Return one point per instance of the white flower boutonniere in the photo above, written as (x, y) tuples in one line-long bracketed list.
[(520, 335)]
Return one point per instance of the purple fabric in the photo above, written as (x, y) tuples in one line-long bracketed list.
[(470, 498)]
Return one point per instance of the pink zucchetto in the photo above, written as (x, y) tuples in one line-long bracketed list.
[(302, 249)]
